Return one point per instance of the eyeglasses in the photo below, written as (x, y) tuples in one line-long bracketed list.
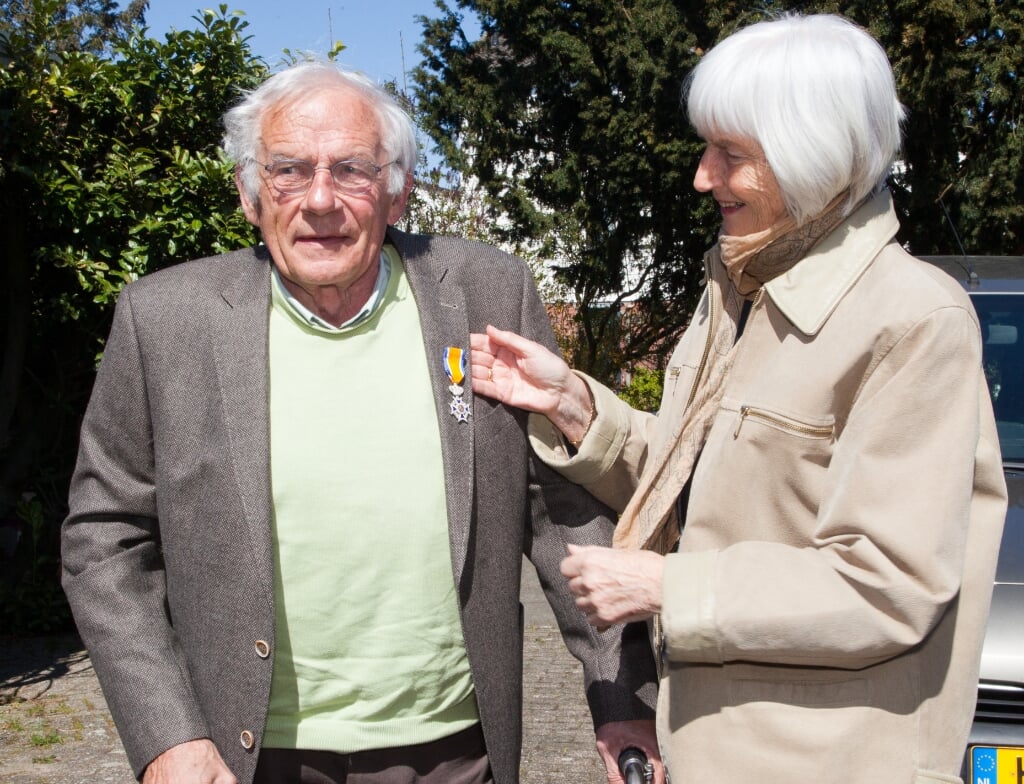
[(290, 178)]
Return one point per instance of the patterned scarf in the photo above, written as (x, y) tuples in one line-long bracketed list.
[(649, 519)]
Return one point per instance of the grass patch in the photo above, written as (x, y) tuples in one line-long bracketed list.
[(49, 738), (47, 760)]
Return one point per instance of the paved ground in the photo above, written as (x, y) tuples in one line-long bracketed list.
[(558, 736), (55, 729)]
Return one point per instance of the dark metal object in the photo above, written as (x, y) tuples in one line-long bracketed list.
[(634, 767)]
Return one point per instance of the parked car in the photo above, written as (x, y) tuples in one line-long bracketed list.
[(995, 751)]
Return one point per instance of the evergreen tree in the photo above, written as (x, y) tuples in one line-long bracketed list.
[(568, 114), (957, 70), (957, 67)]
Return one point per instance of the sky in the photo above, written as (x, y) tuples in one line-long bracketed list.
[(377, 34)]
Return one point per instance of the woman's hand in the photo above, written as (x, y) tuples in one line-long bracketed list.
[(614, 586), (524, 374)]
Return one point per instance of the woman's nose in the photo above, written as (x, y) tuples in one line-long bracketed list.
[(704, 179)]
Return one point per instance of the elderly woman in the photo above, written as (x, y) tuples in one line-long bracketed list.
[(812, 518)]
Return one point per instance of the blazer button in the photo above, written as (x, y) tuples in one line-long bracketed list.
[(262, 649), (247, 739)]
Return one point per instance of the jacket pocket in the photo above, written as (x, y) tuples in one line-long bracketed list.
[(820, 692), (804, 426)]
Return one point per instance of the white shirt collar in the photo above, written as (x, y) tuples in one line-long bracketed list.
[(368, 309)]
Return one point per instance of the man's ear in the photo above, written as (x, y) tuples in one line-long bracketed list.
[(398, 205), (249, 207)]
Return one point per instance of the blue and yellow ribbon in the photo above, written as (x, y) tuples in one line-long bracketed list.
[(455, 360), (455, 364)]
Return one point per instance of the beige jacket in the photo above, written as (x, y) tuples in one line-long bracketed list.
[(824, 616)]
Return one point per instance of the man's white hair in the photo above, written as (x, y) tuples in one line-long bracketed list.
[(243, 122)]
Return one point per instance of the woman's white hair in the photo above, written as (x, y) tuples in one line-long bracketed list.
[(243, 122), (817, 93)]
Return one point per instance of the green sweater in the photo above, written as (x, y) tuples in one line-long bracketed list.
[(369, 643)]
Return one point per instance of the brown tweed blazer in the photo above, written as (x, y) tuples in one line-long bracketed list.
[(167, 547)]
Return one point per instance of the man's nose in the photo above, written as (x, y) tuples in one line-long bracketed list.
[(322, 196)]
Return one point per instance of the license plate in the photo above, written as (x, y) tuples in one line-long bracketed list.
[(997, 765)]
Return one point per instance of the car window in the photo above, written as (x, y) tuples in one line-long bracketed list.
[(1002, 327)]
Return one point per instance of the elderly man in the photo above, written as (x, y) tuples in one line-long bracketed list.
[(295, 535)]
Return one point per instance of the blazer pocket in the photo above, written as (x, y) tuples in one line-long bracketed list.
[(485, 409), (499, 425)]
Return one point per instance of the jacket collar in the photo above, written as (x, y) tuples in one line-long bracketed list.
[(810, 291), (238, 332)]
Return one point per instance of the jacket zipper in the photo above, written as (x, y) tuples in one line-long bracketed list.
[(660, 644), (815, 431), (709, 340)]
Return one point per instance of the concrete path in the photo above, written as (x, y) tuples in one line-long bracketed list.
[(558, 736)]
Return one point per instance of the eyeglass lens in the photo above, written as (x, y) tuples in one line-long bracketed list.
[(294, 177)]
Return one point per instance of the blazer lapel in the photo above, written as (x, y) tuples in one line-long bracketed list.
[(444, 322), (240, 321)]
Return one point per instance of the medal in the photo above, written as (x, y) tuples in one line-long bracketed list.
[(455, 368)]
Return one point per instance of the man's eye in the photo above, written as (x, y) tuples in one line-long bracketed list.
[(289, 169)]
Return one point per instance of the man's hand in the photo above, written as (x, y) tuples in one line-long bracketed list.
[(614, 737), (614, 586), (192, 762)]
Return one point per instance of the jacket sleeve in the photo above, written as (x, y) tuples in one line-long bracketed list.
[(615, 451), (619, 670), (113, 570), (613, 454), (888, 547)]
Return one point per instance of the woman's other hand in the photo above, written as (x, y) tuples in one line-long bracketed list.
[(614, 586)]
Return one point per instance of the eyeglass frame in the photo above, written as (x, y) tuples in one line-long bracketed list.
[(377, 169)]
